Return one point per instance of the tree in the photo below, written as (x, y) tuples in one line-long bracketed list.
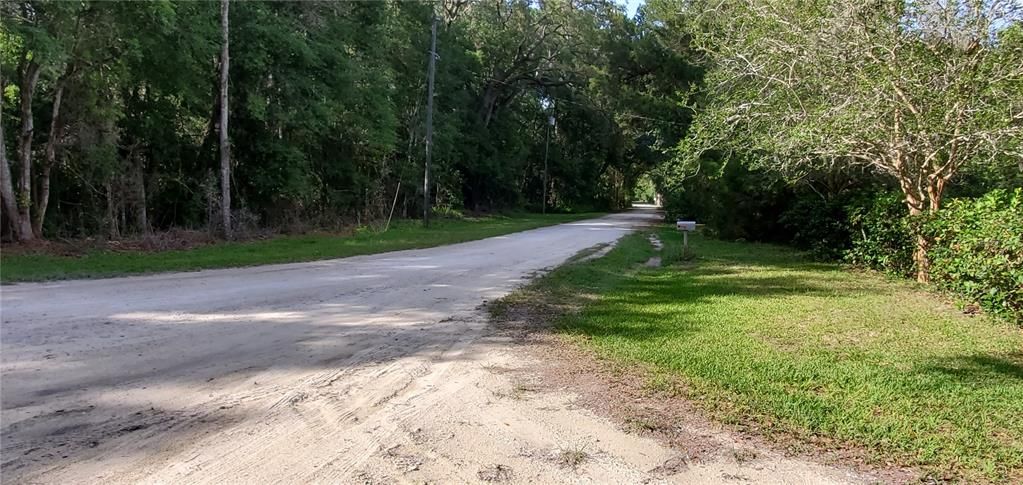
[(66, 54), (326, 108), (10, 203), (916, 90), (28, 77), (39, 38)]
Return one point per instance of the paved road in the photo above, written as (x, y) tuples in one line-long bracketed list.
[(366, 369)]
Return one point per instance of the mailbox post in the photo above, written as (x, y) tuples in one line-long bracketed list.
[(685, 227)]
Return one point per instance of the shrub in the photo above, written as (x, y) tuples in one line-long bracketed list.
[(977, 251), (733, 201), (819, 226), (881, 234)]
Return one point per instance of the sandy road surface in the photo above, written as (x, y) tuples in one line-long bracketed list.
[(361, 370)]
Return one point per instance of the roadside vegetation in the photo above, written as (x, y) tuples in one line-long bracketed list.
[(770, 341), (907, 162), (39, 265)]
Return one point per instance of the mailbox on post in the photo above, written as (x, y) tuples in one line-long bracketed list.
[(686, 227)]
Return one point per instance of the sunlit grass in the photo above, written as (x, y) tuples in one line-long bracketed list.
[(758, 335), (283, 249)]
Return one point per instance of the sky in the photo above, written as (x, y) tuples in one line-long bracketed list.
[(632, 5)]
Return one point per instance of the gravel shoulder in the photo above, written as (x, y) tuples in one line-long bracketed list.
[(374, 369)]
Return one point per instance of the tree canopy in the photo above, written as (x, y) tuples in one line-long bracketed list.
[(110, 110), (912, 90)]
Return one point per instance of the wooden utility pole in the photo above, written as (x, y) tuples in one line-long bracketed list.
[(225, 147), (431, 70), (546, 150)]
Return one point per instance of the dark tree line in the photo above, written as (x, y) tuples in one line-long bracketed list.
[(111, 110)]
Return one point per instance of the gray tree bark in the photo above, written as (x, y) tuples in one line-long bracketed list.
[(141, 211), (42, 198), (27, 87), (10, 204)]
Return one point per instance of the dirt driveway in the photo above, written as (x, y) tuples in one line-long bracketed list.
[(361, 370)]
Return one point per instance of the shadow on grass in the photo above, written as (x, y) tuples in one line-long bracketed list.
[(654, 305), (694, 285), (981, 370), (680, 301)]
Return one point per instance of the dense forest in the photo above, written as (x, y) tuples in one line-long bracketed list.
[(888, 133), (114, 110)]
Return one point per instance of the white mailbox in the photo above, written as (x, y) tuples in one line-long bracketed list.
[(685, 225)]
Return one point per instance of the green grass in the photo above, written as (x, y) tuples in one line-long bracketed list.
[(758, 335), (284, 249)]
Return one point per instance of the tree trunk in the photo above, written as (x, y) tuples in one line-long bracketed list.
[(112, 230), (920, 259), (23, 219), (43, 195), (141, 213), (42, 201), (935, 190), (10, 203), (921, 262), (921, 196), (225, 149), (490, 95)]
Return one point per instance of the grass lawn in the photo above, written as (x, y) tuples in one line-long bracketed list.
[(284, 249), (758, 335)]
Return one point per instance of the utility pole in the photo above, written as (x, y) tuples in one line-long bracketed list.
[(546, 150), (225, 146), (431, 70)]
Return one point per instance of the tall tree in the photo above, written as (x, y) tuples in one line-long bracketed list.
[(10, 202), (28, 74), (915, 90), (326, 107)]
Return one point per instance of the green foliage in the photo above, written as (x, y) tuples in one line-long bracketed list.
[(975, 244), (881, 234), (822, 95), (734, 201), (977, 251), (645, 191), (818, 225), (326, 107)]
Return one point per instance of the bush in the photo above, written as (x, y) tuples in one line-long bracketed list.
[(733, 201), (819, 226), (976, 243), (977, 251), (881, 234)]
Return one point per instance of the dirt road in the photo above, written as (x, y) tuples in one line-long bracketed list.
[(361, 370)]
